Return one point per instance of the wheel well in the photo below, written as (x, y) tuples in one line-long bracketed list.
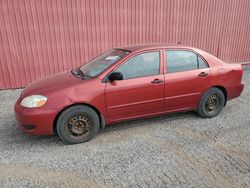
[(94, 108), (224, 92)]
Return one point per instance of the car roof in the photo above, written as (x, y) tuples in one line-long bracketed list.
[(141, 47)]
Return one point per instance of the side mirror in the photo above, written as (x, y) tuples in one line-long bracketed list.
[(115, 76)]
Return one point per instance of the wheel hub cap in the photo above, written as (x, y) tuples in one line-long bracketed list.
[(78, 125), (212, 103)]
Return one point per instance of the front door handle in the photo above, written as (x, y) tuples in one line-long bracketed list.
[(202, 74), (156, 81)]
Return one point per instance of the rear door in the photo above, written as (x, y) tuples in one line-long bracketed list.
[(186, 78), (140, 92)]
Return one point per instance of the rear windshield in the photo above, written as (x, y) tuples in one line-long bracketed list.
[(102, 62)]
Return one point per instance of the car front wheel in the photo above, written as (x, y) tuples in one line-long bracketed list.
[(77, 124), (211, 104)]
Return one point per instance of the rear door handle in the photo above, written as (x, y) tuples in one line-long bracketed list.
[(202, 74), (156, 81)]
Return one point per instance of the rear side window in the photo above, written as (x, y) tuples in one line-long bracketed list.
[(180, 60), (142, 65), (201, 63)]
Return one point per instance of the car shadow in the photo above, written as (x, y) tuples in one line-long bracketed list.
[(148, 121), (11, 135), (14, 136)]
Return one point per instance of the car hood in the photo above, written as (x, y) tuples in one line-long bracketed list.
[(52, 83)]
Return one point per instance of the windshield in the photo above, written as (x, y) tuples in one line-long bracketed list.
[(102, 62)]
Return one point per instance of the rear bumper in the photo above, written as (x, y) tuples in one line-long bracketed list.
[(35, 121), (235, 91)]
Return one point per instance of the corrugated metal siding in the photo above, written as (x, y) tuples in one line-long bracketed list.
[(39, 38)]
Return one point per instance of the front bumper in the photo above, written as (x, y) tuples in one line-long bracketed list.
[(35, 121)]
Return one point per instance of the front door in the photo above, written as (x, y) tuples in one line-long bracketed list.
[(141, 91)]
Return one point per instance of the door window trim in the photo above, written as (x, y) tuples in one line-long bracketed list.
[(165, 62), (161, 62)]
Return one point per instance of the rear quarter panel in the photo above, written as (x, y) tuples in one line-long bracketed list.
[(225, 75)]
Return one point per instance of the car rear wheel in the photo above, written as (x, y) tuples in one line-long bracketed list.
[(211, 104), (77, 124)]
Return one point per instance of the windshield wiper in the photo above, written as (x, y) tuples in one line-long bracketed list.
[(78, 73)]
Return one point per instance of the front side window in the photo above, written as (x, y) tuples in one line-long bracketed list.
[(142, 65), (180, 60), (102, 62)]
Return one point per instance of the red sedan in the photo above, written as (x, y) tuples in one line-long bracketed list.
[(127, 83)]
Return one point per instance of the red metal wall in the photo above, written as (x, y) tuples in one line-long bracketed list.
[(42, 37)]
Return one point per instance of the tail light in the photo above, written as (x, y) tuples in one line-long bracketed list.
[(241, 73), (236, 71)]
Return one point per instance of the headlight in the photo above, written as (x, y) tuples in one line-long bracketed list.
[(34, 101)]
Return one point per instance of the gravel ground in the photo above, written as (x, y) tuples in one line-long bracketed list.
[(180, 150)]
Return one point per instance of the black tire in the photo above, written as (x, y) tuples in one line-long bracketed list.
[(77, 124), (211, 103)]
